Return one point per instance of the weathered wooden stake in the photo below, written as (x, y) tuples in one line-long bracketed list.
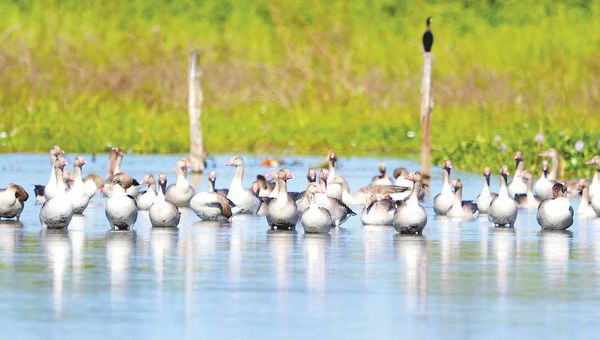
[(195, 99), (426, 108)]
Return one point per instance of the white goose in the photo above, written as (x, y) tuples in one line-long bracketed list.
[(528, 200), (485, 197), (595, 194), (461, 209), (556, 213), (212, 206), (315, 219), (146, 198), (283, 212), (584, 210), (244, 199), (503, 209), (121, 209), (181, 192), (334, 189), (410, 216), (51, 187), (595, 185), (378, 212), (163, 213), (543, 186), (443, 201), (58, 210), (77, 194), (12, 201), (517, 185)]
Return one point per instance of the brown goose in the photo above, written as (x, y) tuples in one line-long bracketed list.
[(485, 197), (460, 208), (556, 213), (12, 201)]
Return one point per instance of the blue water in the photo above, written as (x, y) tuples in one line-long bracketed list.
[(240, 280)]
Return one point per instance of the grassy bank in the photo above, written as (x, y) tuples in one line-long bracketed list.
[(303, 76)]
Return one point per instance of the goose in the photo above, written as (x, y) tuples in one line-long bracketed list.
[(244, 199), (517, 185), (595, 198), (146, 199), (528, 200), (553, 154), (400, 175), (378, 212), (77, 194), (543, 186), (443, 201), (382, 178), (92, 184), (595, 185), (503, 209), (315, 219), (12, 201), (584, 210), (181, 192), (163, 213), (556, 213), (264, 188), (115, 158), (212, 180), (339, 211), (360, 196), (460, 208), (410, 217), (212, 206), (283, 212), (302, 201), (51, 187), (121, 209), (333, 189), (58, 210), (485, 197)]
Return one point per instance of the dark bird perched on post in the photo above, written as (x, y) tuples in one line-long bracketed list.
[(428, 37)]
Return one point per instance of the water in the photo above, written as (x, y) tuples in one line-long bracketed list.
[(243, 281)]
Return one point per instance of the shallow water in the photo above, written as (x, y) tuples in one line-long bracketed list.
[(240, 280)]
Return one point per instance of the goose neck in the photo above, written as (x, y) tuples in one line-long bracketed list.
[(554, 170), (503, 188)]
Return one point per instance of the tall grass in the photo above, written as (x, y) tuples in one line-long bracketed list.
[(302, 76)]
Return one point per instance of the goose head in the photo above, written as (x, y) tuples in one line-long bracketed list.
[(414, 176), (56, 151), (122, 179), (60, 163), (162, 181), (97, 180), (20, 193), (182, 165), (487, 172), (559, 190), (212, 177), (148, 179), (79, 162), (581, 185), (457, 185), (594, 161), (332, 158), (311, 175), (447, 166), (235, 161), (545, 168), (549, 153), (285, 175), (339, 180), (262, 182), (324, 174), (400, 172), (313, 188), (504, 172), (381, 168), (518, 158)]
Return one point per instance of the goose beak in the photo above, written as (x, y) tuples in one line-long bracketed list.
[(228, 163)]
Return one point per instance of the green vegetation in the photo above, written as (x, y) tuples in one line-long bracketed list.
[(302, 76)]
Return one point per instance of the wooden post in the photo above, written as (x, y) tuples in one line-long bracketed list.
[(195, 99), (426, 108)]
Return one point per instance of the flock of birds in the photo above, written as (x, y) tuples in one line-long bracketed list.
[(322, 206)]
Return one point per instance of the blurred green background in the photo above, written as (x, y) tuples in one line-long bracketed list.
[(303, 76)]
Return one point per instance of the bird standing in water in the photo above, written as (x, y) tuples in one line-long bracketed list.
[(428, 37)]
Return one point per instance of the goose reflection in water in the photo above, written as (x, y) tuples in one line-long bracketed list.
[(412, 257), (120, 246), (11, 239), (57, 246), (376, 245), (449, 232), (282, 244), (316, 247), (554, 246), (77, 236), (163, 242), (503, 248)]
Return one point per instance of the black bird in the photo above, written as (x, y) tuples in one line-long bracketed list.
[(428, 37)]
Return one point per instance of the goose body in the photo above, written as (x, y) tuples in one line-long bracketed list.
[(517, 186), (410, 217), (378, 212), (360, 196), (585, 210), (12, 201), (503, 209), (181, 192), (543, 186), (146, 199), (485, 197), (121, 209), (556, 213), (461, 209), (244, 199), (58, 210), (443, 201), (51, 187), (338, 211), (283, 212), (527, 201), (163, 213), (77, 194), (334, 189), (315, 219), (212, 206)]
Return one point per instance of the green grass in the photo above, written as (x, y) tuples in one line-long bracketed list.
[(302, 76)]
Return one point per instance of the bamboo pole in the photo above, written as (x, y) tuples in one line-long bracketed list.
[(426, 109), (195, 98)]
